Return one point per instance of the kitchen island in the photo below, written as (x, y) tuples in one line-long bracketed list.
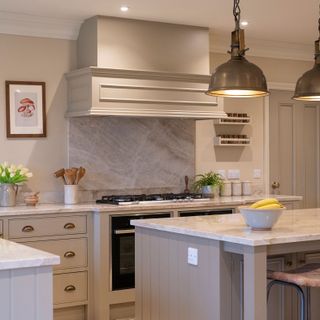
[(25, 282), (168, 286)]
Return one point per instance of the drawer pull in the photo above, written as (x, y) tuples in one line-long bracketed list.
[(69, 225), (27, 229), (70, 288), (69, 254)]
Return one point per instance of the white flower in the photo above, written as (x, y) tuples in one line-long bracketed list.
[(29, 174), (24, 171), (5, 165), (13, 168), (12, 174), (20, 166), (3, 174)]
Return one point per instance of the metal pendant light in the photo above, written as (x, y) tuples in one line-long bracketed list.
[(308, 86), (238, 77)]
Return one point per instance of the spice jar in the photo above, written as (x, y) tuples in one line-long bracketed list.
[(246, 188), (226, 190), (236, 188)]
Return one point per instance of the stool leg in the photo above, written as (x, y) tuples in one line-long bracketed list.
[(269, 286), (308, 303), (300, 294)]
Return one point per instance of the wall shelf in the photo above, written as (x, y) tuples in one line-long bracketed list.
[(233, 121), (232, 142)]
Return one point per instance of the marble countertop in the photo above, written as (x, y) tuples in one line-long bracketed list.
[(93, 207), (293, 226), (17, 256)]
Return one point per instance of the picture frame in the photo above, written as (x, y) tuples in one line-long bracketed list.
[(26, 109)]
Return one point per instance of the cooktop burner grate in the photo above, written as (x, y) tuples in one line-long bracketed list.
[(118, 199)]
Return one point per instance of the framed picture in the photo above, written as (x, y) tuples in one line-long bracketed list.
[(26, 109)]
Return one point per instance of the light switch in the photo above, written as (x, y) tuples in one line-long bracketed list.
[(257, 173), (234, 174), (193, 256), (222, 173)]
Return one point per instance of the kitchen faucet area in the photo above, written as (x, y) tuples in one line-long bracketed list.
[(152, 167)]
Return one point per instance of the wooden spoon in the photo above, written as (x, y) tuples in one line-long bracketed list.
[(186, 180), (60, 173), (81, 173), (69, 176)]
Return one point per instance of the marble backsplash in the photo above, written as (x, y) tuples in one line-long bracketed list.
[(132, 155)]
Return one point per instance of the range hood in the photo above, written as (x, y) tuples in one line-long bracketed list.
[(141, 69)]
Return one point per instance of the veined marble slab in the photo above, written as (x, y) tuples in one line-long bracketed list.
[(17, 256), (93, 207), (133, 153), (293, 226)]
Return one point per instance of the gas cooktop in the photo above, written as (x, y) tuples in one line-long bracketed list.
[(151, 198)]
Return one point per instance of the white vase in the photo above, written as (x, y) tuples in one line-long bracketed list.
[(71, 194), (8, 194)]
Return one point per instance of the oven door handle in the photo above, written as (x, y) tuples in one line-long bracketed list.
[(124, 231)]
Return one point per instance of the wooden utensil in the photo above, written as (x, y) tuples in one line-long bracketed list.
[(69, 176), (81, 172), (60, 173), (186, 180)]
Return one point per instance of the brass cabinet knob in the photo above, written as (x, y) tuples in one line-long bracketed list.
[(70, 288), (275, 185), (27, 229), (69, 254), (289, 263), (69, 225)]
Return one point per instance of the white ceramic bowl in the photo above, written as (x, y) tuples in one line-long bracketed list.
[(259, 219)]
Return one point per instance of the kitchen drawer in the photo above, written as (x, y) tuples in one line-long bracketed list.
[(70, 287), (73, 313), (73, 252), (40, 227)]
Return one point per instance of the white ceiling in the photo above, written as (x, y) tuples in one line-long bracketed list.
[(292, 21)]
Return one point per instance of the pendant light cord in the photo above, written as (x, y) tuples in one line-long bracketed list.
[(237, 12), (319, 23)]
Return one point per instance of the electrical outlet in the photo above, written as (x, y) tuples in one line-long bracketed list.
[(193, 256), (257, 173), (222, 173), (233, 174)]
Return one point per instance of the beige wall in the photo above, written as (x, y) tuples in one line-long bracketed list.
[(38, 59)]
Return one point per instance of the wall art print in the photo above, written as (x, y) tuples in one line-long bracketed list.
[(26, 109)]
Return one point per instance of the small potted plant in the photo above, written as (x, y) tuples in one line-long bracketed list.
[(209, 184), (10, 176)]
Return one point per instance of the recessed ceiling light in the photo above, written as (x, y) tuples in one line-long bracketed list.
[(124, 8), (244, 23)]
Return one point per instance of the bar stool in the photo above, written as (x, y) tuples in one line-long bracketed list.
[(307, 276)]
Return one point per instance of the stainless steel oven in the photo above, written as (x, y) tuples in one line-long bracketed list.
[(122, 240)]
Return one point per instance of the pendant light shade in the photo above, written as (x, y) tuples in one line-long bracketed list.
[(238, 77), (308, 86)]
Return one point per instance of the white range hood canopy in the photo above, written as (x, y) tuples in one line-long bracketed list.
[(141, 68)]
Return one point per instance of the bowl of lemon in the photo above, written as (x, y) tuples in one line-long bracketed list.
[(262, 215)]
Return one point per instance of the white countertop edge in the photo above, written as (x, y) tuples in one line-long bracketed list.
[(105, 208), (17, 256), (293, 226)]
